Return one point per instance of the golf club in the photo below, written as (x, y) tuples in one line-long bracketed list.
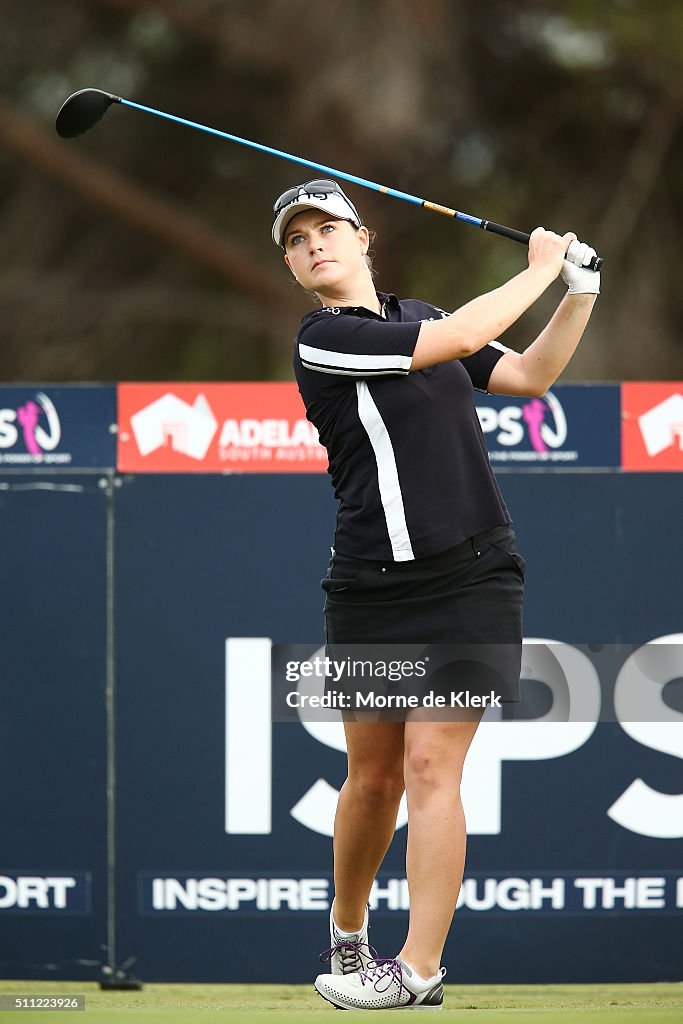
[(83, 109)]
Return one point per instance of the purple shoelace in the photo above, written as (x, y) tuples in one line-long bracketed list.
[(345, 949), (389, 969)]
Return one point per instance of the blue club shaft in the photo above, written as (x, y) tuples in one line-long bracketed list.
[(353, 178), (487, 225)]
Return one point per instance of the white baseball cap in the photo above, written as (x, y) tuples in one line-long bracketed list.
[(320, 194)]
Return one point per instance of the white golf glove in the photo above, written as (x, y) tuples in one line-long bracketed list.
[(575, 270)]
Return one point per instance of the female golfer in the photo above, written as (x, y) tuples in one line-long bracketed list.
[(423, 553)]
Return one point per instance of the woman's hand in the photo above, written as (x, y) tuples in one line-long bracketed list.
[(547, 250), (485, 318), (579, 279)]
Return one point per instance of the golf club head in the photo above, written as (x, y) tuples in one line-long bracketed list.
[(80, 111)]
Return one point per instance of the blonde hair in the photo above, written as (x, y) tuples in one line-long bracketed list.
[(370, 255)]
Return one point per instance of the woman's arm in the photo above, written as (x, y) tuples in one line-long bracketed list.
[(533, 371), (486, 317)]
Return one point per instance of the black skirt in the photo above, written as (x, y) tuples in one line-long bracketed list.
[(460, 609)]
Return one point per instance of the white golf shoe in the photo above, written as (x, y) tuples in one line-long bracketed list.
[(384, 985), (349, 953)]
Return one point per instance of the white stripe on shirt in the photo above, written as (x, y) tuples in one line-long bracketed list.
[(387, 474), (352, 373), (350, 361)]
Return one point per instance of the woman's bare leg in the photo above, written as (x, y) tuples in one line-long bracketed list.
[(366, 814), (434, 757)]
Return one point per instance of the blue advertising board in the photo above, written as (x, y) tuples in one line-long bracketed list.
[(571, 425), (53, 726), (65, 426), (146, 608), (574, 853)]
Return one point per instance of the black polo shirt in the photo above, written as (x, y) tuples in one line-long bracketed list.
[(407, 455)]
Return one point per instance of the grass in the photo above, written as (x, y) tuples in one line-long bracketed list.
[(246, 1004)]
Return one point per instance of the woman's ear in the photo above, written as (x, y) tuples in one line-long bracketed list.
[(364, 239)]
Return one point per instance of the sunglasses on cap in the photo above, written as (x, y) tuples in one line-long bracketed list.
[(321, 193), (318, 189)]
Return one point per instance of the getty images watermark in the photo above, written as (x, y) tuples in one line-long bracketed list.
[(363, 683), (548, 681)]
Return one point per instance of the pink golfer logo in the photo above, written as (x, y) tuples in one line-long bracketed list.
[(530, 430), (541, 434), (38, 436)]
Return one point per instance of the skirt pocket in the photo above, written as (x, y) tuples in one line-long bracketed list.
[(504, 542), (515, 558), (339, 585)]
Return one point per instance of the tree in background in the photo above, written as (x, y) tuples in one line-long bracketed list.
[(142, 250)]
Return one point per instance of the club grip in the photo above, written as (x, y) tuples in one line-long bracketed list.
[(523, 237)]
